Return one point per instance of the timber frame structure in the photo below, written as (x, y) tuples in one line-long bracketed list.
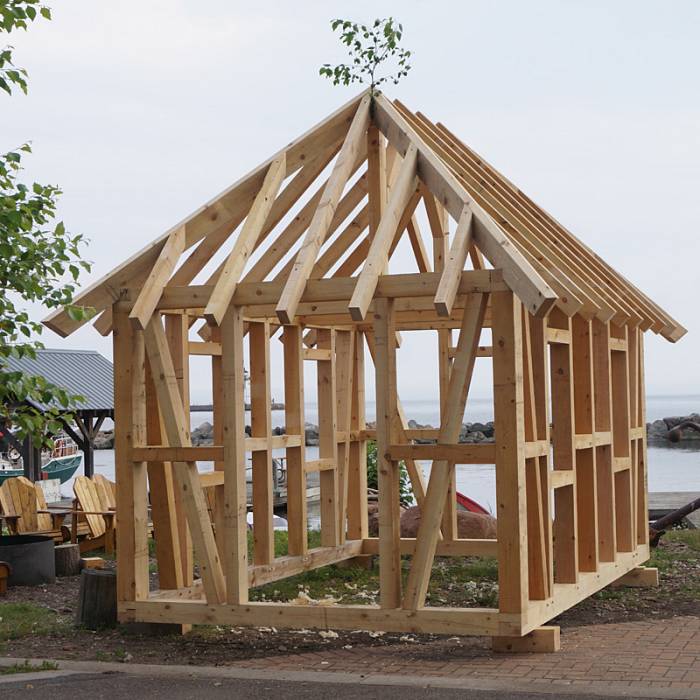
[(566, 335)]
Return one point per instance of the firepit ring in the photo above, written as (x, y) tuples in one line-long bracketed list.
[(31, 558)]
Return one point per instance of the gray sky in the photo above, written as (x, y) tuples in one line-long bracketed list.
[(142, 111)]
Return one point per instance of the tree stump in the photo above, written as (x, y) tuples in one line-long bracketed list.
[(97, 599), (67, 559)]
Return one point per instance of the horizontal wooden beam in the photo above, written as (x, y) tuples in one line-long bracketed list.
[(481, 351), (317, 354), (336, 289), (618, 344), (445, 548), (274, 442), (163, 453), (462, 453), (319, 465), (558, 336), (568, 594), (282, 567), (561, 477), (584, 441), (204, 348), (462, 621)]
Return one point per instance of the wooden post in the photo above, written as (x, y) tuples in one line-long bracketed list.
[(357, 466), (218, 409), (540, 390), (163, 504), (536, 496), (584, 420), (387, 470), (563, 447), (327, 441), (605, 482), (236, 561), (176, 331), (619, 373), (260, 423), (509, 429), (294, 422), (129, 430), (344, 348), (642, 464), (441, 250)]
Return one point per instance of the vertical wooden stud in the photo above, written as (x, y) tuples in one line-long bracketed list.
[(563, 447), (260, 424), (294, 421), (388, 472), (130, 415), (605, 481), (236, 527), (327, 439), (584, 419), (357, 463)]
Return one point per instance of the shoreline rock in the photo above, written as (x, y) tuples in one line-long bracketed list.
[(657, 431), (470, 433)]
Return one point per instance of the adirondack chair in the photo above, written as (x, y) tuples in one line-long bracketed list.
[(24, 510), (95, 504), (107, 490)]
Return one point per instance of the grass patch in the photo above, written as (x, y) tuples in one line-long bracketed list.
[(24, 619), (28, 667), (460, 581)]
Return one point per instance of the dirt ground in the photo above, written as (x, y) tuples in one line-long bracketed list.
[(38, 621)]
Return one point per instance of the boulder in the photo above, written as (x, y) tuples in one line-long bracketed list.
[(311, 434), (104, 440), (373, 518), (203, 434), (469, 525)]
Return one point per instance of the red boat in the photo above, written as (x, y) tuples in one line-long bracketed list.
[(467, 503)]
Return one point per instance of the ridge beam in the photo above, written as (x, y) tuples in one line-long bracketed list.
[(519, 274), (293, 290), (245, 243), (451, 275), (148, 299), (378, 256)]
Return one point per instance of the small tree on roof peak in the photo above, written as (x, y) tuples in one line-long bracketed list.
[(369, 47)]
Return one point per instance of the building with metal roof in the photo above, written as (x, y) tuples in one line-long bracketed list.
[(84, 373)]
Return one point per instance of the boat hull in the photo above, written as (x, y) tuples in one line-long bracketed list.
[(61, 468)]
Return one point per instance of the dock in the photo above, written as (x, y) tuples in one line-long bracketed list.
[(663, 502)]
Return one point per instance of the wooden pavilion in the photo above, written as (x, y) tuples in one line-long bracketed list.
[(304, 244)]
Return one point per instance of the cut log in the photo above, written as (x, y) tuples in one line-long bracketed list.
[(97, 599), (67, 559), (5, 571), (92, 563)]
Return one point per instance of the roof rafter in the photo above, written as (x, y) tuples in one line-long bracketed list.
[(535, 293), (378, 256), (245, 243), (150, 293), (447, 289), (238, 196), (306, 258)]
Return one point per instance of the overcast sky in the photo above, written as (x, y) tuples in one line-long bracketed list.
[(142, 111)]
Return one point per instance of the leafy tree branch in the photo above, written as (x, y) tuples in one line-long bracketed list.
[(369, 46), (41, 263)]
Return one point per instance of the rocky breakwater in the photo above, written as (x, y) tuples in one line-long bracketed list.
[(469, 432), (659, 431), (204, 434)]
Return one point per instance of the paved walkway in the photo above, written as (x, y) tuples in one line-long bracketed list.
[(655, 659), (651, 655)]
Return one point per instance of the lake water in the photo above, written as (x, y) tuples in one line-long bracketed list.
[(674, 468)]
